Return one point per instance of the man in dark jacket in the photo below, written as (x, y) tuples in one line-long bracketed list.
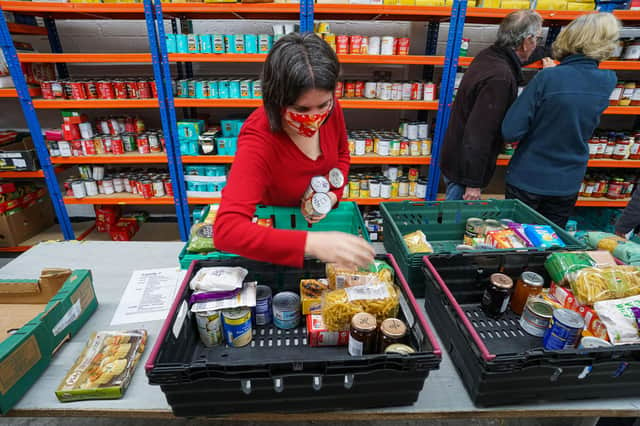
[(490, 85), (630, 219)]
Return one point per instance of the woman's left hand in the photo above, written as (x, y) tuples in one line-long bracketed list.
[(316, 219)]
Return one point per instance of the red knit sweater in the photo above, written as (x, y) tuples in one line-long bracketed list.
[(270, 169)]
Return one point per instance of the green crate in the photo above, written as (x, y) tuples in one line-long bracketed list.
[(444, 222), (345, 218), (26, 353)]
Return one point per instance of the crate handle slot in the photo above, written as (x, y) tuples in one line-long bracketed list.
[(317, 383), (585, 372), (556, 374), (621, 369), (348, 381), (278, 385), (245, 385)]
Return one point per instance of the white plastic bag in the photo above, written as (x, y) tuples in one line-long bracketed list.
[(620, 322), (221, 278)]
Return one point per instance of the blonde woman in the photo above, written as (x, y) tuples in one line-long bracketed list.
[(556, 115)]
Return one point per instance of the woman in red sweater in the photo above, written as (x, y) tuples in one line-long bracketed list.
[(298, 133)]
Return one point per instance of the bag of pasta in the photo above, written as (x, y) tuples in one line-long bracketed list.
[(417, 243), (591, 285), (339, 306), (342, 277)]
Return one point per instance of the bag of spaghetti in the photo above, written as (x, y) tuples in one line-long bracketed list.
[(591, 285), (343, 277), (379, 299)]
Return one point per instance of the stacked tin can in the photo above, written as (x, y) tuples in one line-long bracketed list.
[(363, 45), (387, 90), (392, 182), (96, 180), (412, 140), (209, 179), (123, 88), (211, 88), (316, 200), (219, 43)]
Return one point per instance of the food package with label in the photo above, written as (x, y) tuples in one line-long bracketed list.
[(561, 266), (543, 236), (504, 239), (311, 295), (580, 6), (339, 306), (201, 234), (560, 297), (625, 250), (621, 317), (595, 284), (319, 335), (105, 367), (417, 243), (379, 271)]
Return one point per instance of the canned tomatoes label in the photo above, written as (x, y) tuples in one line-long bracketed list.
[(342, 44), (237, 327)]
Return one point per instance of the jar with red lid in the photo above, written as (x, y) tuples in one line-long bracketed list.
[(589, 187), (621, 150), (602, 147), (616, 95), (634, 151), (611, 147), (615, 189), (582, 188), (602, 184), (594, 143)]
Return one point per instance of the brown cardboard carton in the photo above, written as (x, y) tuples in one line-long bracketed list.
[(24, 224)]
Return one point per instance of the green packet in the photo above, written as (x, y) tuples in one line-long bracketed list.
[(560, 265), (378, 266), (201, 238)]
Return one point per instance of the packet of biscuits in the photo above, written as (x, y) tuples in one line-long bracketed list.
[(105, 367)]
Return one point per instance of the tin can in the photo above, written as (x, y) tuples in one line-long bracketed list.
[(97, 172), (65, 148), (237, 326), (262, 313), (118, 184), (342, 45), (86, 131), (256, 89), (384, 147), (412, 131), (350, 89), (265, 41), (359, 89), (396, 91), (78, 188), (168, 187), (146, 188), (209, 328), (99, 144), (415, 148), (402, 46), (90, 89), (120, 90), (182, 43), (218, 42), (144, 89), (404, 148), (132, 89), (385, 189), (76, 148), (360, 146), (57, 89), (335, 178), (564, 330), (105, 90), (46, 89), (406, 91), (495, 299), (143, 144), (395, 149), (421, 188), (286, 310), (91, 187), (128, 141), (206, 45), (374, 45), (354, 188), (339, 92), (88, 147), (77, 90), (417, 89), (370, 88), (387, 45), (429, 92), (355, 43), (158, 188), (536, 316), (66, 88), (318, 184), (107, 185), (318, 204), (155, 144), (385, 91), (423, 130), (426, 148)]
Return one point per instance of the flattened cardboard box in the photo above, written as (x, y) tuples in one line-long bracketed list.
[(38, 317)]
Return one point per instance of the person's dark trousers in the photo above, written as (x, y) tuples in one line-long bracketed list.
[(556, 209)]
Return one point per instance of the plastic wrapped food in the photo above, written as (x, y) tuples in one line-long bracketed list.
[(417, 243), (619, 318), (628, 252), (201, 238), (560, 266), (543, 236), (339, 306), (105, 367), (604, 240), (504, 239), (592, 285), (341, 277)]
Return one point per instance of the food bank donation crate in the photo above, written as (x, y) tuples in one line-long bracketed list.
[(444, 223), (497, 360), (278, 370), (344, 218), (38, 316)]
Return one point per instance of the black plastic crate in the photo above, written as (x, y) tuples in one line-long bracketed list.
[(278, 371), (499, 362)]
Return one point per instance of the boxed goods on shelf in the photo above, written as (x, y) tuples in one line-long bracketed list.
[(504, 359), (24, 212), (196, 139), (38, 317), (18, 153), (205, 181), (444, 225), (278, 370)]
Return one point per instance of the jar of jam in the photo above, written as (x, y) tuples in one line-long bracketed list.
[(403, 187), (611, 147), (594, 143), (623, 146), (392, 330), (497, 295), (362, 334), (615, 189), (634, 151), (529, 284), (616, 95), (602, 185), (589, 186), (602, 147)]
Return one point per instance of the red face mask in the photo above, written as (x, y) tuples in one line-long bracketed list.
[(306, 124)]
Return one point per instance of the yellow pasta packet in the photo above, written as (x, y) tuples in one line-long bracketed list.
[(591, 285), (417, 243)]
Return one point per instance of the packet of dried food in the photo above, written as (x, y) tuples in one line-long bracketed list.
[(591, 285), (218, 278), (311, 295), (338, 277), (417, 243), (105, 367), (561, 265)]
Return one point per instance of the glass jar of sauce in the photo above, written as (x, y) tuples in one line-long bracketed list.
[(623, 146), (497, 295), (529, 284), (392, 330), (616, 95), (615, 189), (362, 334)]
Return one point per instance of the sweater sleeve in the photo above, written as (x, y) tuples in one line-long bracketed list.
[(344, 158), (483, 129), (234, 231), (630, 217), (517, 122)]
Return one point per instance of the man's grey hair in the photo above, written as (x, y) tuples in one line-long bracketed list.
[(517, 26)]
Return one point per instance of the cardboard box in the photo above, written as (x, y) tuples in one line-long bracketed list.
[(38, 316), (25, 223), (320, 336), (19, 156)]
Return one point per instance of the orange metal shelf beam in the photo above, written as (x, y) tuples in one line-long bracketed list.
[(376, 104), (377, 201), (26, 29), (376, 159), (605, 65), (392, 59), (12, 93), (27, 175), (94, 103), (123, 199), (96, 58), (218, 103), (623, 110), (207, 159), (342, 9), (204, 200), (600, 202), (503, 160), (17, 249), (217, 57), (490, 14), (75, 10), (189, 8), (112, 159)]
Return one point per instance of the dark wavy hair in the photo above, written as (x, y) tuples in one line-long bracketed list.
[(296, 63)]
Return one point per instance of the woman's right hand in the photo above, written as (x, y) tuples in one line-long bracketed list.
[(347, 250)]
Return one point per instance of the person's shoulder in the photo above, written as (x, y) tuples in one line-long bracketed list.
[(256, 131)]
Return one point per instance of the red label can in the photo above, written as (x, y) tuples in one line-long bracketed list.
[(117, 147), (342, 44), (130, 125), (47, 89), (139, 125), (168, 187), (120, 89), (132, 89), (99, 144), (76, 148), (57, 88), (154, 89), (417, 90), (70, 131), (77, 90), (105, 90), (143, 144), (66, 88), (339, 92), (402, 46), (91, 90), (350, 89), (355, 43), (364, 46), (88, 147), (144, 90), (359, 89), (146, 188)]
